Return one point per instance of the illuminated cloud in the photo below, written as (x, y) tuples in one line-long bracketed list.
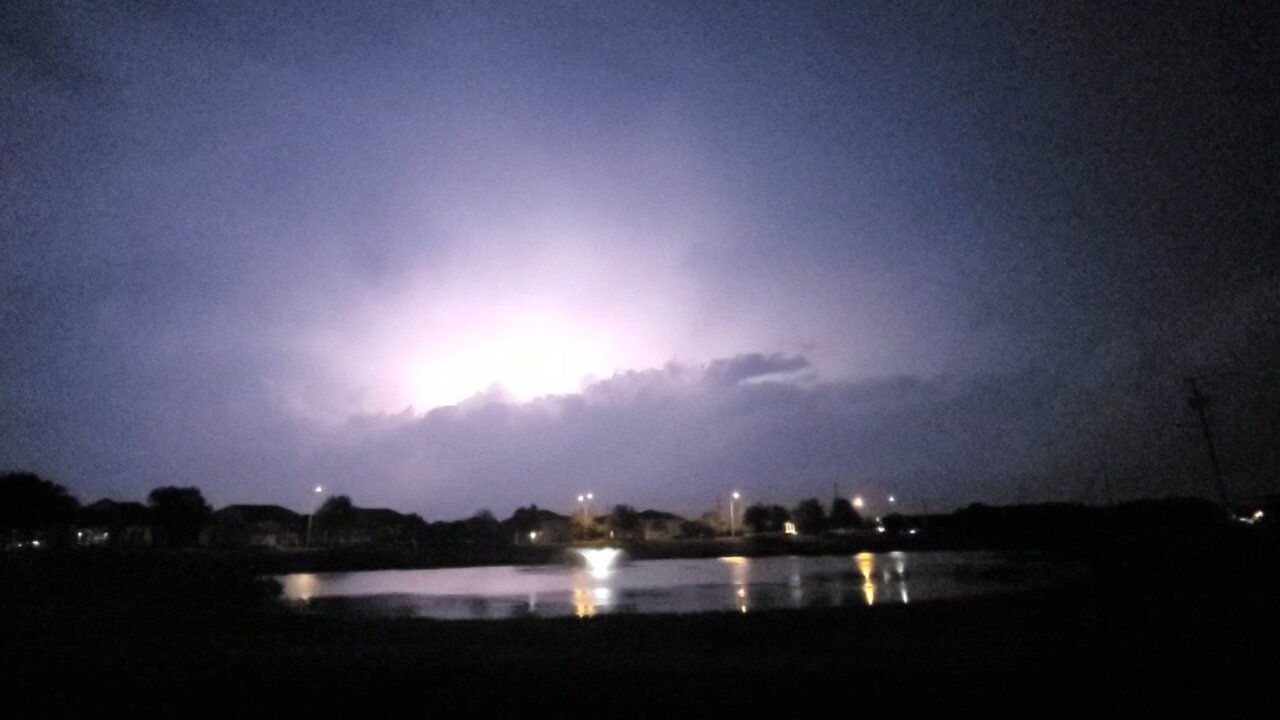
[(450, 256)]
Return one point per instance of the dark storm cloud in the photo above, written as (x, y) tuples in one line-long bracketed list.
[(680, 436)]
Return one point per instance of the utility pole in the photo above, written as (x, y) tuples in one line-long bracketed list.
[(315, 504), (1106, 489), (1199, 402)]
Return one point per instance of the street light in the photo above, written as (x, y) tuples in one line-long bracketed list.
[(315, 501), (732, 518), (858, 502), (584, 499)]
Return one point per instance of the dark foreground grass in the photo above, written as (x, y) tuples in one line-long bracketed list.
[(1042, 654)]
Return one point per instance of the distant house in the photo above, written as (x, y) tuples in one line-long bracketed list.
[(370, 527), (548, 527), (658, 525), (268, 526), (119, 524)]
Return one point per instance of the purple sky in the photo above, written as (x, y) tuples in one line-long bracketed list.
[(450, 256)]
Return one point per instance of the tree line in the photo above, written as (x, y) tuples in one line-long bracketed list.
[(34, 510), (31, 506)]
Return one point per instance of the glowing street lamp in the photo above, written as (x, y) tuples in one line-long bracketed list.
[(732, 517), (858, 502), (315, 502), (584, 500)]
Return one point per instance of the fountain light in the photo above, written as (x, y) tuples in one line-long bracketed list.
[(599, 560)]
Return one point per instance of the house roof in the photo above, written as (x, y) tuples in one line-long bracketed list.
[(258, 513), (659, 515), (378, 514), (111, 513), (383, 516)]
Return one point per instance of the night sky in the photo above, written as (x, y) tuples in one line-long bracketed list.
[(449, 256)]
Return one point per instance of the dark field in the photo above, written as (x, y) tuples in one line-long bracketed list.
[(191, 635)]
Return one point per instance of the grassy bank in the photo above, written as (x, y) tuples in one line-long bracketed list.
[(1078, 647)]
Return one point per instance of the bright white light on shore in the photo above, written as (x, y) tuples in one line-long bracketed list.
[(319, 489), (858, 502), (599, 560)]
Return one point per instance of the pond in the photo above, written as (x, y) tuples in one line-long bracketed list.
[(601, 581)]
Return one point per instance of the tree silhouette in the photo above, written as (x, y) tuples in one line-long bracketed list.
[(766, 518), (336, 517), (758, 518), (525, 519), (809, 516), (778, 517), (624, 520), (483, 527), (843, 515), (180, 514), (696, 529), (29, 504)]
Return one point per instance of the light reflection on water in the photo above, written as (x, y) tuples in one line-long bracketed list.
[(727, 584)]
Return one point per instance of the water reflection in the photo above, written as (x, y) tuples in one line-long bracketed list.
[(893, 579), (584, 604), (300, 585), (727, 584), (866, 567), (739, 576), (589, 590), (899, 560), (795, 582)]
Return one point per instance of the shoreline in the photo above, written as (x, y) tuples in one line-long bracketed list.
[(268, 561)]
